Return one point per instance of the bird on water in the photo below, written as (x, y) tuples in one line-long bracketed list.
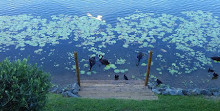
[(116, 77), (139, 57), (210, 70), (216, 59), (215, 74), (125, 77), (159, 82), (103, 61), (91, 62)]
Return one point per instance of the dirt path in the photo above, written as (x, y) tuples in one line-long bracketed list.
[(120, 89)]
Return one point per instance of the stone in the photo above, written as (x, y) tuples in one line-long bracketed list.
[(166, 92), (59, 91), (64, 94), (156, 91), (53, 89), (196, 91), (151, 85), (76, 87), (185, 92), (189, 92), (164, 86), (169, 91), (172, 92), (161, 89), (206, 92), (71, 86), (216, 93), (70, 90), (66, 89), (214, 90), (75, 91), (179, 92), (70, 94)]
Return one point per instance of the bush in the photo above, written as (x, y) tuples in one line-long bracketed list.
[(22, 86)]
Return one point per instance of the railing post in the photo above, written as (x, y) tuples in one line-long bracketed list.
[(148, 68), (77, 67)]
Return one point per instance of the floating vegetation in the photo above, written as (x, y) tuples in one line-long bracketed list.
[(94, 72), (120, 70), (107, 67), (188, 34), (88, 73), (86, 65), (143, 64), (82, 72), (120, 61), (117, 71), (38, 51), (133, 76), (187, 41)]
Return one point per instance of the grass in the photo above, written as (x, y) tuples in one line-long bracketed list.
[(164, 103)]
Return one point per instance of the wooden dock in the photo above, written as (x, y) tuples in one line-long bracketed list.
[(117, 89)]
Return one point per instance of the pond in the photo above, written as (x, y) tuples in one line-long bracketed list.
[(183, 36)]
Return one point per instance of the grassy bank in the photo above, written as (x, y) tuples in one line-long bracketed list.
[(168, 103)]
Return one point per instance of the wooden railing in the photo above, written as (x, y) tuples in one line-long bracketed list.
[(148, 68), (77, 68)]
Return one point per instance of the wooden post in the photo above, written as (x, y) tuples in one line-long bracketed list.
[(77, 67), (148, 68)]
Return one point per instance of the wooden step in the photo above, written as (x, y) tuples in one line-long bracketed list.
[(120, 89)]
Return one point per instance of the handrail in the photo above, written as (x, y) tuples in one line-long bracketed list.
[(148, 68), (77, 67)]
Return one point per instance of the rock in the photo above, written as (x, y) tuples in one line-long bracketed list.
[(190, 92), (151, 85), (75, 91), (59, 91), (195, 92), (185, 92), (164, 86), (214, 90), (179, 92), (70, 94), (169, 91), (70, 91), (69, 87), (76, 87), (166, 92), (216, 93), (206, 92), (64, 94), (156, 91), (54, 89), (172, 92), (161, 89), (66, 89)]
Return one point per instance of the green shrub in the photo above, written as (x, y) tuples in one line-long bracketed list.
[(22, 86)]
